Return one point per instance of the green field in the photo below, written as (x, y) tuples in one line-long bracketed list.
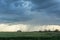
[(29, 35)]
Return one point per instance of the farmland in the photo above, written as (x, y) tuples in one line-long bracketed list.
[(29, 35)]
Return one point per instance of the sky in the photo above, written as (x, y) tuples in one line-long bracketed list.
[(27, 14)]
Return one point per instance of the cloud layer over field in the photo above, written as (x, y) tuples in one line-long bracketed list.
[(27, 28), (30, 12)]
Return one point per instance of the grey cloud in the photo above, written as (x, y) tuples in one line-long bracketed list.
[(41, 18), (12, 11), (52, 7), (38, 12)]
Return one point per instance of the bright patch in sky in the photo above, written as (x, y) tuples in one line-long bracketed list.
[(24, 28)]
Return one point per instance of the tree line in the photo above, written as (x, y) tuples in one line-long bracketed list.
[(56, 30)]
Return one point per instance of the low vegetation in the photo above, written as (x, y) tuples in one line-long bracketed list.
[(30, 36), (36, 35)]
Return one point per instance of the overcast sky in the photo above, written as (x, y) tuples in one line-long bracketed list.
[(30, 12)]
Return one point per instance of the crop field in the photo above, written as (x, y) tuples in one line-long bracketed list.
[(29, 35)]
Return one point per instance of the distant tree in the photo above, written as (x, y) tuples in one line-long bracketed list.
[(56, 30), (39, 31), (19, 31), (35, 31)]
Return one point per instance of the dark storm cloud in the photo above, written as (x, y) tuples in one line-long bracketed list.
[(50, 6), (46, 11), (30, 11), (12, 11)]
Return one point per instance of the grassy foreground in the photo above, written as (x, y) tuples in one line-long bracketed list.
[(29, 35)]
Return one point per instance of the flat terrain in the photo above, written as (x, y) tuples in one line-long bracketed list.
[(30, 35)]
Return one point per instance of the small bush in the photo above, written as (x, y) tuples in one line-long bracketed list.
[(19, 31), (56, 30)]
